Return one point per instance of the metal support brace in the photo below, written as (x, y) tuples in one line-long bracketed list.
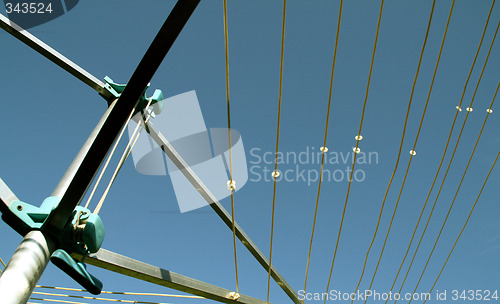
[(124, 265), (54, 56)]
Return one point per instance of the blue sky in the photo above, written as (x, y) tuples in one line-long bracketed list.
[(47, 115)]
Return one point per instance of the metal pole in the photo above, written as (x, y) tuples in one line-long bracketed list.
[(76, 165), (25, 268), (33, 254)]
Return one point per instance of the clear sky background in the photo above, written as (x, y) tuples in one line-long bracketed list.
[(47, 115)]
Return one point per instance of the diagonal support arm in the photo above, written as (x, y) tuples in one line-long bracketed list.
[(220, 210), (124, 265), (6, 196), (54, 56)]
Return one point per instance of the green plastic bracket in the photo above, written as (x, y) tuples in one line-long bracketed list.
[(77, 271), (32, 216), (157, 99), (84, 234)]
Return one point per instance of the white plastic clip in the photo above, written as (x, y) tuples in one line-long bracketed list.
[(231, 185), (233, 295)]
